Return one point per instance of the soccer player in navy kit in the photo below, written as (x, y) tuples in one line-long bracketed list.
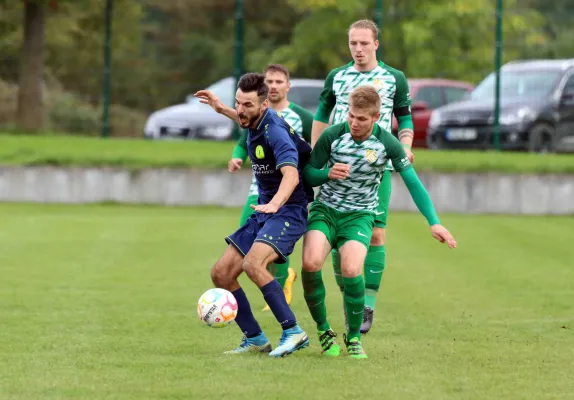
[(278, 156)]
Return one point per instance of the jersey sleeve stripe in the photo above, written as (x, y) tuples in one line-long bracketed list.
[(287, 163)]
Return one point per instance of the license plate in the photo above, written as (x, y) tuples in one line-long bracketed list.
[(461, 134)]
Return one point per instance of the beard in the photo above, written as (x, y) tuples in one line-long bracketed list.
[(247, 122), (275, 98)]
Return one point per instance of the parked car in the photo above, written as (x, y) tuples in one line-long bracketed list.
[(427, 95), (194, 120), (536, 113)]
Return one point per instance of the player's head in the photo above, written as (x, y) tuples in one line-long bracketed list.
[(277, 79), (364, 111), (251, 99), (363, 41)]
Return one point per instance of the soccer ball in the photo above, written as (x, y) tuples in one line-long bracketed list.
[(217, 308)]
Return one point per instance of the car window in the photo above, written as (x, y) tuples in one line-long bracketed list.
[(431, 95), (569, 87), (305, 96), (224, 89), (518, 84), (454, 94)]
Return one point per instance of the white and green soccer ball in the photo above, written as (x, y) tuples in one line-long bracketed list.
[(217, 308)]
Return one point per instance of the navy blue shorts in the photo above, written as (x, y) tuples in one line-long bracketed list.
[(280, 231)]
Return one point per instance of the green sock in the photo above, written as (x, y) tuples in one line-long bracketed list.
[(337, 268), (354, 304), (374, 267), (280, 272), (314, 291)]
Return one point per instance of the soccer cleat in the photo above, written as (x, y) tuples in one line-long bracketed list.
[(257, 344), (288, 289), (292, 339), (355, 348), (367, 320), (328, 345)]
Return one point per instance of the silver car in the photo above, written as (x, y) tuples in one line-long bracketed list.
[(194, 120)]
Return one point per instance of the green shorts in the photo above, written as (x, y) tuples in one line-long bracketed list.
[(384, 200), (340, 227)]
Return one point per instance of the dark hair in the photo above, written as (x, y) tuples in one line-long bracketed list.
[(253, 82), (277, 68)]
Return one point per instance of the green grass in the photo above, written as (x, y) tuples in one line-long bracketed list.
[(134, 153), (98, 302)]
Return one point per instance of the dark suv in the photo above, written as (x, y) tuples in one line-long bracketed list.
[(536, 112)]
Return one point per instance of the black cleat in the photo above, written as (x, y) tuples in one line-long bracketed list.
[(367, 320)]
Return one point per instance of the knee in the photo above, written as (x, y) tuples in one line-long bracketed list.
[(220, 276), (251, 264), (351, 271), (311, 263), (379, 236)]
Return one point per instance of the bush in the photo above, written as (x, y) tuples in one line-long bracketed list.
[(67, 112)]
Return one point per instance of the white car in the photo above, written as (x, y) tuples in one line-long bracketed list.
[(194, 120)]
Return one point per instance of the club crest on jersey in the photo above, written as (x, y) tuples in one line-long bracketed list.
[(371, 156), (378, 83), (259, 153)]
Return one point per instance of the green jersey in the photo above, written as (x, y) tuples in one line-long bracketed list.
[(367, 161), (297, 117), (390, 83)]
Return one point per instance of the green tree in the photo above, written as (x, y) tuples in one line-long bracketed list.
[(437, 38)]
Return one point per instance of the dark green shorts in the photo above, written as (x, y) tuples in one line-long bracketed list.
[(384, 199), (340, 227)]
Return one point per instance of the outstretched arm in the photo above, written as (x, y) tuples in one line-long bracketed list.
[(209, 98), (418, 192), (424, 204)]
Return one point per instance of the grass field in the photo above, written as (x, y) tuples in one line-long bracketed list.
[(132, 153), (98, 302)]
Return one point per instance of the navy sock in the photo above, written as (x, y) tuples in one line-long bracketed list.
[(275, 298), (245, 319)]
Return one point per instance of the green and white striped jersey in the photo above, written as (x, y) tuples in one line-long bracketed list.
[(367, 159), (390, 83), (299, 119)]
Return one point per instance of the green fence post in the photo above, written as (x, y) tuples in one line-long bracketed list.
[(379, 22), (107, 70), (238, 59), (497, 66)]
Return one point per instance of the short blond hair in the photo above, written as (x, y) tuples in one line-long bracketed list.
[(366, 24), (365, 98)]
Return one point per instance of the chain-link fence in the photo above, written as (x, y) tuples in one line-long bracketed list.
[(52, 57)]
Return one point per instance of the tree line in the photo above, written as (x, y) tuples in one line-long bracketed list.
[(163, 50)]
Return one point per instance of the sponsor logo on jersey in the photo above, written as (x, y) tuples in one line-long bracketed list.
[(371, 156), (262, 169)]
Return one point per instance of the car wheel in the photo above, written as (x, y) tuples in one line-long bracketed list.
[(541, 138)]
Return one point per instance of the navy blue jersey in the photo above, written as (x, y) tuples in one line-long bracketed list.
[(271, 146)]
